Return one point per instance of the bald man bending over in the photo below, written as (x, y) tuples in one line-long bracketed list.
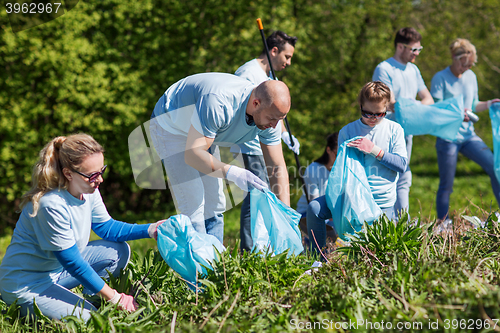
[(203, 111)]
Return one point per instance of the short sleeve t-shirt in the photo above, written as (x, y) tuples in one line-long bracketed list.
[(389, 136), (446, 85), (215, 104), (252, 72), (405, 81), (29, 265)]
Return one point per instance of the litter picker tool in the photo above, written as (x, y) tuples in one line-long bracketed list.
[(287, 125)]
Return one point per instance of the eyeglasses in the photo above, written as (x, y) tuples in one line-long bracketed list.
[(467, 63), (414, 49), (94, 175), (368, 114)]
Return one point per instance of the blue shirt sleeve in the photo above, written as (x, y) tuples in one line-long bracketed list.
[(437, 88), (381, 74), (212, 115), (53, 228), (117, 231), (420, 80), (99, 211), (394, 162), (72, 261)]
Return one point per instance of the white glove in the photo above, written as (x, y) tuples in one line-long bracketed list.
[(285, 136), (244, 179), (153, 229)]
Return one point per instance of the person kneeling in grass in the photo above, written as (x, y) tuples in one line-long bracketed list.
[(383, 143), (50, 252)]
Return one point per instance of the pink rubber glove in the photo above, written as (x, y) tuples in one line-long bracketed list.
[(125, 302), (153, 229), (367, 147), (466, 116)]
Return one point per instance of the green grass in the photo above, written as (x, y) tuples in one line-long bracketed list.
[(471, 189), (404, 274), (395, 274)]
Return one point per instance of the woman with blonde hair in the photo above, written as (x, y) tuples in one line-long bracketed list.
[(50, 252), (459, 79)]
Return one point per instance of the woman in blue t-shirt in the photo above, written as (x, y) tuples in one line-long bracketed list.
[(50, 252), (385, 149), (457, 79)]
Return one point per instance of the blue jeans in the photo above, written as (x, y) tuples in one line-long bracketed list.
[(404, 183), (447, 154), (318, 212), (257, 165), (58, 301)]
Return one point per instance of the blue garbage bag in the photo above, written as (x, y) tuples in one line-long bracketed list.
[(185, 250), (495, 127), (348, 194), (274, 225), (441, 119)]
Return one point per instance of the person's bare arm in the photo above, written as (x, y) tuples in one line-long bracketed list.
[(390, 107), (425, 97), (277, 172), (197, 156), (483, 106)]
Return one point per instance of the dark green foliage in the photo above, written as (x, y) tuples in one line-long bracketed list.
[(101, 67)]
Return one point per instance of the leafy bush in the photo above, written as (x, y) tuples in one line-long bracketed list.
[(101, 67)]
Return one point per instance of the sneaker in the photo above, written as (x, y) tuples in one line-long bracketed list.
[(315, 267), (475, 221), (445, 226)]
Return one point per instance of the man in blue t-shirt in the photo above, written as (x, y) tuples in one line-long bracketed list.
[(405, 81), (281, 48), (203, 111)]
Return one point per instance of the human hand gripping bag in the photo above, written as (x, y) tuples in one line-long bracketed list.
[(441, 119), (185, 250), (274, 225), (495, 127), (348, 194)]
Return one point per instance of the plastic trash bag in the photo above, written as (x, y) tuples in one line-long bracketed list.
[(441, 119), (184, 249), (495, 127), (348, 194), (274, 225)]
